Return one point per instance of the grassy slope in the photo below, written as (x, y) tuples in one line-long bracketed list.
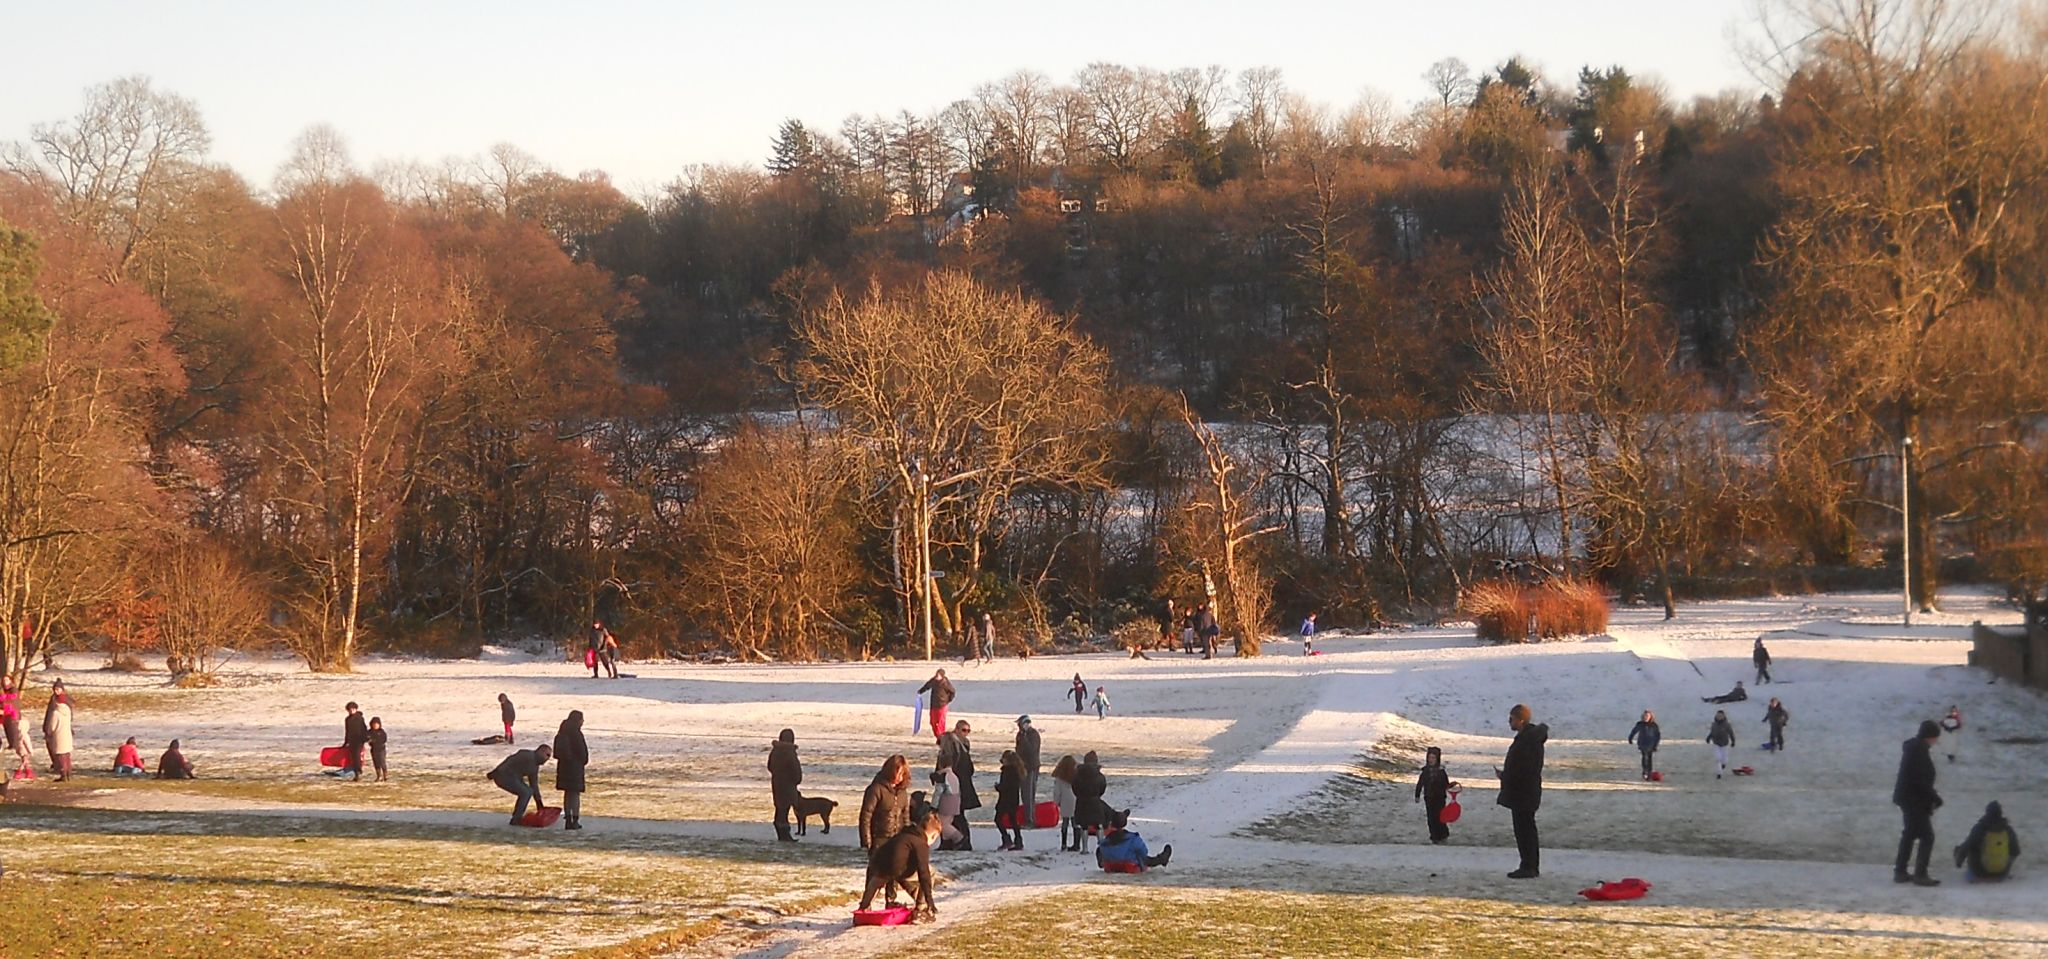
[(84, 883)]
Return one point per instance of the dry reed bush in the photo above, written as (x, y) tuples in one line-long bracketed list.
[(1506, 612)]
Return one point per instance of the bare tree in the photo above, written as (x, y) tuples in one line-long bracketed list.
[(959, 395), (1126, 107), (119, 167), (1261, 103), (210, 608), (1451, 80), (1220, 532)]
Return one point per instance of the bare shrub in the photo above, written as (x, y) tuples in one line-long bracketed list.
[(1506, 612)]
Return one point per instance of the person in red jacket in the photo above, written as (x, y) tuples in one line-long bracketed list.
[(128, 760)]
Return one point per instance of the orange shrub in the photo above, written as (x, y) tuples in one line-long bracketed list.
[(1506, 612)]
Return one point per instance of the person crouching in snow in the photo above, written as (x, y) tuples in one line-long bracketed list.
[(1101, 702), (128, 760), (1722, 735), (173, 764), (1123, 845), (1646, 736), (1431, 789), (519, 774), (1993, 844)]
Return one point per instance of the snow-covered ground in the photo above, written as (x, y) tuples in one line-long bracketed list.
[(1284, 771)]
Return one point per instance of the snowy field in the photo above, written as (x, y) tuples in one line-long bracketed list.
[(1284, 784)]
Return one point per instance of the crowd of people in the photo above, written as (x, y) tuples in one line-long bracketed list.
[(899, 828)]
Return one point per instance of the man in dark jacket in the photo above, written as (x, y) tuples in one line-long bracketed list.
[(1027, 750), (941, 689), (355, 734), (957, 754), (519, 775), (1914, 794), (1762, 658), (1521, 787), (572, 758), (785, 773)]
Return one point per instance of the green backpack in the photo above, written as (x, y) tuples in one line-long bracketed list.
[(1996, 855)]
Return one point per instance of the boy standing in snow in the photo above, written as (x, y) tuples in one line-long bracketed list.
[(1101, 703), (377, 740), (1777, 717), (1432, 788), (1308, 635), (1646, 736), (1722, 735), (1762, 658)]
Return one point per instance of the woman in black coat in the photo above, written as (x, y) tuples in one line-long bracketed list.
[(572, 754), (1090, 812)]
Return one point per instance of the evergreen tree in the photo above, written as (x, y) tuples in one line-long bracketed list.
[(24, 320), (1193, 150), (795, 149)]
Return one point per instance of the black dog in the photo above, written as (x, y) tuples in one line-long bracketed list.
[(808, 806), (893, 862)]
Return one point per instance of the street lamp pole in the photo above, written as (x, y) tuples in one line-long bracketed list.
[(1906, 524)]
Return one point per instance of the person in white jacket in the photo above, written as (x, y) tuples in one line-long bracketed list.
[(946, 801), (57, 731)]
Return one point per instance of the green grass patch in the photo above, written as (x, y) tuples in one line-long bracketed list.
[(1143, 923), (92, 883)]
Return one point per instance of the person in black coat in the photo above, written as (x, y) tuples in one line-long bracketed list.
[(1646, 736), (173, 764), (1521, 787), (1914, 794), (956, 753), (1090, 812), (379, 739), (1010, 799), (572, 756), (1762, 658), (785, 773), (1432, 788), (355, 734)]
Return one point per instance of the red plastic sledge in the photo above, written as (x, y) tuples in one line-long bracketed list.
[(1046, 815), (881, 917), (1743, 771), (1657, 776), (542, 818), (1451, 811), (335, 756), (590, 659), (1119, 865), (1630, 888)]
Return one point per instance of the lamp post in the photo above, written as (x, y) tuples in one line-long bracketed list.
[(1906, 524)]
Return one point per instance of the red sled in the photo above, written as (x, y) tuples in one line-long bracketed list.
[(1743, 771), (1121, 865), (1045, 815), (1452, 810), (1657, 776), (335, 756), (1630, 888), (542, 818), (897, 916), (590, 659)]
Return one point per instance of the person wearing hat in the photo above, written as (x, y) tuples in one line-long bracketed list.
[(1027, 750), (1988, 853), (785, 773), (956, 753), (941, 689), (1914, 794), (57, 730)]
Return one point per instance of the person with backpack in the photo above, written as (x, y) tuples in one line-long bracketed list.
[(1762, 658), (1987, 855), (1913, 792), (1432, 789), (1646, 736), (1722, 735), (1776, 715)]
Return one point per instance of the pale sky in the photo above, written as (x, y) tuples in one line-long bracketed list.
[(640, 89)]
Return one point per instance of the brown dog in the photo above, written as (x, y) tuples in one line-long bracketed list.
[(819, 806)]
